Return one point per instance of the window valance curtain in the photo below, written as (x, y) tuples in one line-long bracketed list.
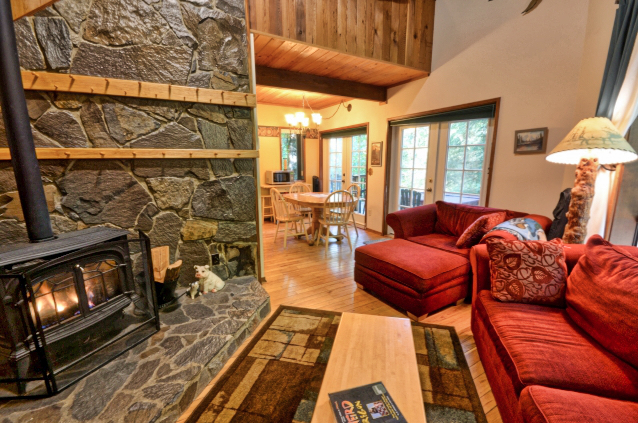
[(342, 133), (486, 111)]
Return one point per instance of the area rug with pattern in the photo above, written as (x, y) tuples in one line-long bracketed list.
[(278, 375)]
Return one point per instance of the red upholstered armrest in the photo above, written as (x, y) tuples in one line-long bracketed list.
[(416, 221), (480, 261)]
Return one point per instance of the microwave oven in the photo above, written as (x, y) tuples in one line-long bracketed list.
[(274, 177)]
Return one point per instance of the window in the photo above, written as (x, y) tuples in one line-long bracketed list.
[(292, 153), (413, 166), (465, 161)]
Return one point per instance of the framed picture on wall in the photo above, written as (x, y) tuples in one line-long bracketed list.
[(376, 154), (530, 141)]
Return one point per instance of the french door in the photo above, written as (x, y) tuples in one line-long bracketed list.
[(439, 161), (347, 164)]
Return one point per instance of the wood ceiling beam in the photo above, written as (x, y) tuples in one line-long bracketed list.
[(21, 8), (281, 78)]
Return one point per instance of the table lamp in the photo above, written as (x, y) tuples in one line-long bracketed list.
[(593, 142)]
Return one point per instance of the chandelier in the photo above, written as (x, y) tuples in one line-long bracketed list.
[(300, 120)]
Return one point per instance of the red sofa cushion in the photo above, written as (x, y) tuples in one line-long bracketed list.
[(454, 219), (416, 266), (441, 242), (540, 345), (602, 297), (540, 404), (479, 228), (531, 272)]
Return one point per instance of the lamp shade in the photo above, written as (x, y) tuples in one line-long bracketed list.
[(596, 138)]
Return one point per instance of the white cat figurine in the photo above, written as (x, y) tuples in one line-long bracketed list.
[(208, 281), (194, 290)]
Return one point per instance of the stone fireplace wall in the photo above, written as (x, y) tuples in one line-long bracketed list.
[(197, 207)]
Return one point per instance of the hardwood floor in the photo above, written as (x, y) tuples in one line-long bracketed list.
[(306, 276)]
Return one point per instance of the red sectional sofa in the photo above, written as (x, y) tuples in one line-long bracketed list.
[(421, 269), (541, 365)]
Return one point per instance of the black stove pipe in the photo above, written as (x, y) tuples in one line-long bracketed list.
[(19, 136)]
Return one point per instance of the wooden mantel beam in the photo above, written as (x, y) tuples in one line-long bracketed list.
[(64, 82), (133, 153), (22, 8), (281, 78)]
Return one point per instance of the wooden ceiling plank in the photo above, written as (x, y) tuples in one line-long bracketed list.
[(342, 26), (300, 81), (360, 39), (311, 21), (281, 51), (268, 49), (260, 43), (301, 57), (284, 61), (401, 34), (351, 27), (334, 65), (318, 64), (355, 71), (309, 61)]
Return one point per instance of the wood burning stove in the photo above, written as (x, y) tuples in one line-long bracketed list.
[(70, 306)]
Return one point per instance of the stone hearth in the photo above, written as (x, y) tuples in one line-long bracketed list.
[(157, 380)]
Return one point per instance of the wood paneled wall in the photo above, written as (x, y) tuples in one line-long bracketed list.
[(396, 31)]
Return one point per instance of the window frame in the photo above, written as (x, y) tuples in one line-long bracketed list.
[(301, 156)]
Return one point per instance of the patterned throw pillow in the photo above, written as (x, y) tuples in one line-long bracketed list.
[(479, 228), (523, 228), (532, 272)]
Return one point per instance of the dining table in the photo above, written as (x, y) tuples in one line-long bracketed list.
[(316, 202)]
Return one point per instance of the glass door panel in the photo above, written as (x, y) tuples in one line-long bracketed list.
[(413, 167), (335, 164), (358, 168)]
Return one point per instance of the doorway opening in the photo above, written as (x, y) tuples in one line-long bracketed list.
[(346, 164)]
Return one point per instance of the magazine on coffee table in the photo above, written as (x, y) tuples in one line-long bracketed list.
[(365, 404)]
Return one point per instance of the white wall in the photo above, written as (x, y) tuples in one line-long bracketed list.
[(270, 147), (546, 67)]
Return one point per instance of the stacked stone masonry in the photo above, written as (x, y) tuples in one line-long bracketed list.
[(196, 207), (157, 380)]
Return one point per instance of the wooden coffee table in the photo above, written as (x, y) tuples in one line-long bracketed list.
[(370, 349)]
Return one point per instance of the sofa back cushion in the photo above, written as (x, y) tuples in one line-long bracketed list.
[(602, 293), (532, 272), (454, 219), (479, 228)]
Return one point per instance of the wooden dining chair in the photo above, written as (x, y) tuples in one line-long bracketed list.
[(285, 213), (299, 188), (337, 209), (355, 190)]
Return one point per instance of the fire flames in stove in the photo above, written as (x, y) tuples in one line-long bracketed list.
[(57, 299)]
